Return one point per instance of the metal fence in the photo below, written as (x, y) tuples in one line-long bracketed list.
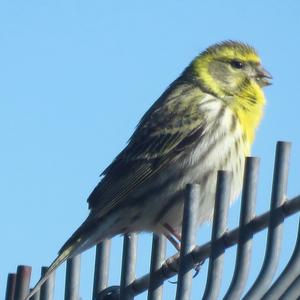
[(285, 286)]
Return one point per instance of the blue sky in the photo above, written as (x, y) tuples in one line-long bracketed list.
[(75, 78)]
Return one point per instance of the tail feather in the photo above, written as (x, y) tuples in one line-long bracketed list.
[(63, 256), (82, 239)]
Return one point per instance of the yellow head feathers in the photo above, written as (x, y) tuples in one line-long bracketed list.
[(229, 50), (225, 69)]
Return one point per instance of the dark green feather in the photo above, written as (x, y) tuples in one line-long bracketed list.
[(168, 129)]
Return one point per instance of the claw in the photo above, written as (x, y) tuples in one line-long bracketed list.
[(197, 268)]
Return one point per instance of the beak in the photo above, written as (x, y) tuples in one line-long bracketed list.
[(262, 76)]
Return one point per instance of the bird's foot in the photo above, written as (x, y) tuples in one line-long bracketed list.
[(197, 268), (175, 238)]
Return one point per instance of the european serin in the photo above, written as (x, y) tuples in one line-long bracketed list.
[(205, 121)]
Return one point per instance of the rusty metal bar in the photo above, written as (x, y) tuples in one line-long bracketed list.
[(189, 222), (47, 288), (72, 283), (244, 246), (128, 266), (10, 286), (158, 254), (216, 259), (274, 239), (101, 267), (22, 282)]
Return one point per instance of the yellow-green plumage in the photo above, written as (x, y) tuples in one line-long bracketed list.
[(205, 121)]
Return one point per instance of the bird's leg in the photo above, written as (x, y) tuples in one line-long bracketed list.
[(173, 241), (173, 231), (173, 236)]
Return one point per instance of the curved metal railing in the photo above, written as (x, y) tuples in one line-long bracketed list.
[(286, 285)]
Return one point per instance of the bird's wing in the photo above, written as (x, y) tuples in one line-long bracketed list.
[(170, 127)]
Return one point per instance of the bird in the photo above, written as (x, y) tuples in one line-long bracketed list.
[(203, 122)]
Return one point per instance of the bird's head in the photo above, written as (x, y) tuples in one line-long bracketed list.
[(227, 68)]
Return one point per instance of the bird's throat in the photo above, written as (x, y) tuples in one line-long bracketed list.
[(248, 106)]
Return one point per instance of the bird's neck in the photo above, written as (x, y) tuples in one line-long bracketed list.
[(248, 106)]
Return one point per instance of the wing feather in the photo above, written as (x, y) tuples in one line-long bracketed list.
[(170, 127)]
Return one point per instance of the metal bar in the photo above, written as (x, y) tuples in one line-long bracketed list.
[(36, 296), (274, 239), (22, 282), (128, 266), (10, 286), (72, 283), (293, 291), (184, 284), (289, 208), (110, 293), (101, 267), (288, 275), (244, 247), (158, 255), (229, 239), (47, 288), (215, 267)]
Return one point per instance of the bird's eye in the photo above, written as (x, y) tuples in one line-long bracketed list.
[(237, 64)]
